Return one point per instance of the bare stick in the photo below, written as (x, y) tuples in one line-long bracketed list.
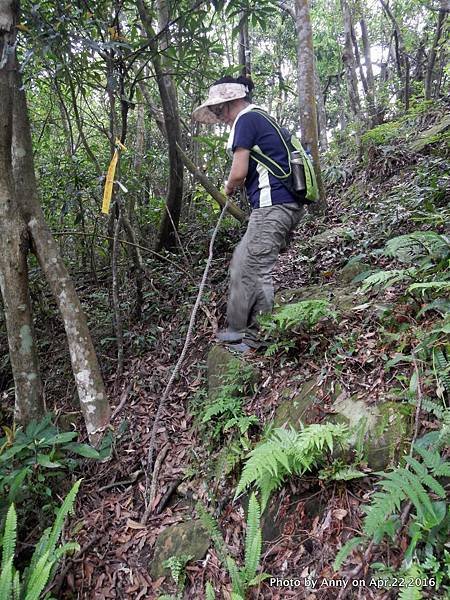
[(115, 293), (162, 403), (220, 198)]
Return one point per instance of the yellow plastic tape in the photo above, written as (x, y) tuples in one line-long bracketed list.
[(107, 192)]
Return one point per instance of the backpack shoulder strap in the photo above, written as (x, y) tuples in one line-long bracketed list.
[(257, 154)]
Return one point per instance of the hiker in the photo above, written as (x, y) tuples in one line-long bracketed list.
[(275, 211)]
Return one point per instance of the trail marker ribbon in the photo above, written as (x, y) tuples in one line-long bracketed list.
[(109, 182)]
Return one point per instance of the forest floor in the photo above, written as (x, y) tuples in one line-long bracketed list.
[(315, 517)]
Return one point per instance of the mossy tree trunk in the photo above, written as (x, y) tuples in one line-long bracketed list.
[(306, 89), (14, 245)]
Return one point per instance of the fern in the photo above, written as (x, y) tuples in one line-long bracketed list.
[(387, 278), (288, 452), (245, 577), (437, 286), (441, 368), (210, 594), (8, 550), (305, 314), (346, 550), (420, 244), (403, 484), (253, 540), (177, 565)]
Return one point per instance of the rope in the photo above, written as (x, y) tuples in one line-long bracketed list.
[(151, 449)]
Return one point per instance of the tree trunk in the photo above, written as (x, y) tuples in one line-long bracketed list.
[(91, 392), (169, 102), (244, 46), (402, 56), (349, 63), (433, 52), (306, 87), (369, 71), (321, 114), (14, 244)]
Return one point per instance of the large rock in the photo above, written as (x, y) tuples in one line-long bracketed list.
[(331, 236), (189, 538), (342, 297), (218, 363), (430, 135), (352, 269), (380, 432)]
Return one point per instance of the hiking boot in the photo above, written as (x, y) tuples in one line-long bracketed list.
[(228, 335), (241, 348)]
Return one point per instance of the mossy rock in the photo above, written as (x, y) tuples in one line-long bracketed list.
[(352, 269), (381, 431), (189, 538), (301, 409), (331, 236), (342, 297), (431, 135), (218, 363)]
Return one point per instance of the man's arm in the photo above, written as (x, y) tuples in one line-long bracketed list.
[(238, 171)]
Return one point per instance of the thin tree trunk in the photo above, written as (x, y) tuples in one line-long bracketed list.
[(14, 242), (321, 114), (306, 87), (167, 91), (349, 63), (433, 52), (91, 392), (244, 45), (369, 71), (402, 56)]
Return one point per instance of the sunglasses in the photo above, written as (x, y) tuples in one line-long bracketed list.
[(217, 109)]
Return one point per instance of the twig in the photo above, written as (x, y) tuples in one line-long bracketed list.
[(115, 292), (151, 497), (165, 499), (123, 400), (108, 237), (418, 405), (180, 360), (114, 484)]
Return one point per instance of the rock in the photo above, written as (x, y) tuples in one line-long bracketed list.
[(430, 135), (343, 297), (302, 408), (330, 236), (352, 269), (189, 538), (381, 431), (218, 363)]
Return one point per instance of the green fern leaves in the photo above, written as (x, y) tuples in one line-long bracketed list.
[(417, 245), (305, 314), (408, 484), (44, 559), (288, 452)]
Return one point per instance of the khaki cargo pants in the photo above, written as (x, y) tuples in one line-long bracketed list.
[(251, 288)]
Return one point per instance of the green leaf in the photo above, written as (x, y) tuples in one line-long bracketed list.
[(83, 450), (345, 551), (44, 461)]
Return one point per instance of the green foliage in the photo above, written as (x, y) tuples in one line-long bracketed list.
[(34, 458), (245, 577), (305, 315), (177, 565), (382, 134), (210, 594), (288, 452), (30, 584), (226, 412), (418, 245)]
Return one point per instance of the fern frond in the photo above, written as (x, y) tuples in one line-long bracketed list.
[(418, 244), (64, 510), (427, 479), (386, 278), (8, 550), (237, 579), (345, 551), (210, 594), (441, 368), (253, 539), (39, 577), (9, 537)]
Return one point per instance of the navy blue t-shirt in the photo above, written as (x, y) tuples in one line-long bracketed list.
[(263, 189)]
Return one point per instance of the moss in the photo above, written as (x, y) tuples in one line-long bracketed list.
[(381, 134)]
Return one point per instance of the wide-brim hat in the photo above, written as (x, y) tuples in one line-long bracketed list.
[(219, 93)]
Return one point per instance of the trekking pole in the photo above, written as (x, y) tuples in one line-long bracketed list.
[(150, 477)]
